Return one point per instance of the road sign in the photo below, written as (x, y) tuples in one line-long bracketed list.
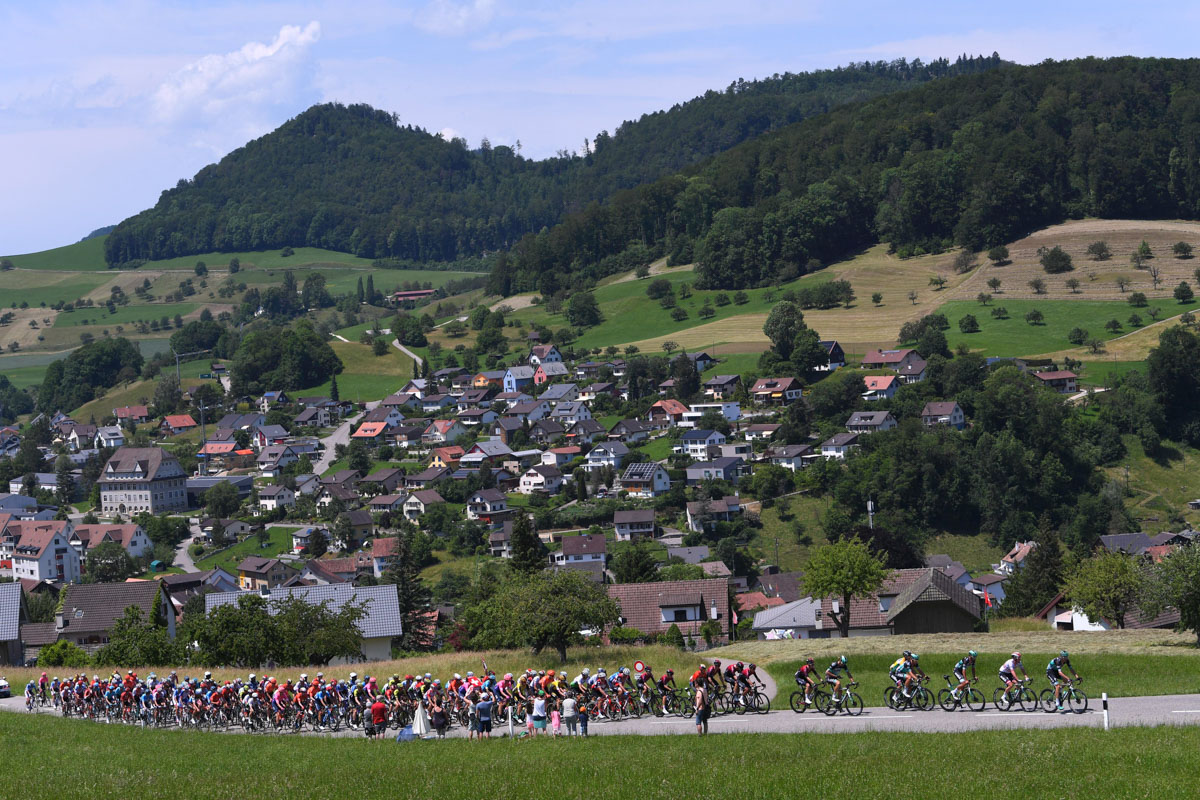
[(638, 666)]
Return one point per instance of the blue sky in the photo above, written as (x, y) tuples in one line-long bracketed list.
[(104, 104)]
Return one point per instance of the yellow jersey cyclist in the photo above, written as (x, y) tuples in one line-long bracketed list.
[(1056, 674), (898, 671)]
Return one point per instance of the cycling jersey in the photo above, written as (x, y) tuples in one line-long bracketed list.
[(1057, 664), (805, 672), (899, 666), (964, 663), (1010, 667), (837, 667)]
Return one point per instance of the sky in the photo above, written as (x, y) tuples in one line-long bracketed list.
[(105, 104)]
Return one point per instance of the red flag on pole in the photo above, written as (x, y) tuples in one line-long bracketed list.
[(987, 599)]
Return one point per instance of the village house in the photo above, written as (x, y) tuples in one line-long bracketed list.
[(870, 421), (545, 431), (175, 424), (128, 416), (445, 457), (40, 550), (130, 536), (560, 456), (560, 393), (255, 573), (474, 417), (633, 524), (732, 412), (719, 469), (606, 454), (529, 411), (722, 387), (695, 443), (653, 608), (272, 460), (549, 372), (889, 359), (443, 431), (417, 503), (91, 611), (943, 413), (569, 413), (839, 445), (542, 478), (271, 498), (789, 456), (1060, 380), (518, 378), (109, 436), (880, 387), (912, 372), (544, 353), (630, 431), (701, 514), (837, 357), (776, 391), (500, 541), (312, 417), (139, 479), (586, 430), (645, 479), (666, 413), (386, 503), (579, 550)]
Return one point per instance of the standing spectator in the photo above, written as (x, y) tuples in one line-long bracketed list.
[(701, 709), (539, 712), (583, 719), (437, 716), (555, 717), (379, 717), (473, 715), (570, 715), (484, 711)]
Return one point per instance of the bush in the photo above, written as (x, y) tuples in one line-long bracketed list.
[(63, 654), (673, 637), (621, 634), (1056, 260)]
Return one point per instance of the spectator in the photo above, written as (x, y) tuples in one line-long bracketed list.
[(379, 717), (570, 716), (555, 717), (583, 719), (473, 715), (437, 716), (539, 713), (701, 710), (484, 712)]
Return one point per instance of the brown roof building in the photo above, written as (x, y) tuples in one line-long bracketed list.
[(654, 607)]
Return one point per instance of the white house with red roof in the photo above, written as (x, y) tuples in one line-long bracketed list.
[(890, 359), (880, 387), (42, 551)]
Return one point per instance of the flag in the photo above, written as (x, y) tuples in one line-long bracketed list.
[(987, 599), (735, 619)]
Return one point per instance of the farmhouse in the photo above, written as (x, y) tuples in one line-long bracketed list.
[(889, 359), (870, 421), (880, 387), (943, 413), (1060, 380), (653, 608)]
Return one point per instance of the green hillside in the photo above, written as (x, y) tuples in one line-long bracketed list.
[(437, 200)]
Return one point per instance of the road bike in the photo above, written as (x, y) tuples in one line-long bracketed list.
[(1070, 698), (818, 699), (847, 701), (920, 698), (1020, 697), (952, 698)]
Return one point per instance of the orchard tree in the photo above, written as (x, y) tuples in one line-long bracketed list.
[(1182, 250), (1184, 293), (1174, 582), (998, 255)]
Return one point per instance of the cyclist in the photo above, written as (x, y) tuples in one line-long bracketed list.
[(667, 682), (960, 672), (713, 675), (898, 671), (1008, 671), (833, 675), (915, 674), (806, 677), (698, 677), (30, 691), (580, 684), (1055, 673)]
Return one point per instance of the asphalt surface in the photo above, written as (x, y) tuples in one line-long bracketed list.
[(1127, 711), (341, 435)]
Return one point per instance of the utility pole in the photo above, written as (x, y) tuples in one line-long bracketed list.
[(183, 355), (204, 436)]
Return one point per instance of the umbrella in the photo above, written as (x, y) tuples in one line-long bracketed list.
[(420, 724)]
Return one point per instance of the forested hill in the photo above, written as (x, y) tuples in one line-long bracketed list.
[(975, 160), (354, 179)]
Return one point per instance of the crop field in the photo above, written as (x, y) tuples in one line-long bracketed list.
[(84, 761)]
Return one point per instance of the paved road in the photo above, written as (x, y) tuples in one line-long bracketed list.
[(1164, 710), (396, 344), (340, 435)]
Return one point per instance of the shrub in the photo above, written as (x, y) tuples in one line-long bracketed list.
[(621, 634), (63, 654)]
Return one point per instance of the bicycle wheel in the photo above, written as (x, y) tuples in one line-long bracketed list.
[(720, 705), (853, 704), (889, 697), (739, 705), (946, 700), (1078, 700), (923, 698), (975, 700), (1029, 700), (822, 701), (1001, 699), (762, 703), (635, 707), (796, 702), (1048, 702)]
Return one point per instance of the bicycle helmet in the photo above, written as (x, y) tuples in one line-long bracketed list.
[(1062, 654), (907, 654), (508, 675), (427, 676), (550, 673), (437, 682), (252, 676), (541, 673), (842, 659), (752, 668), (457, 677), (670, 672), (810, 661), (469, 675), (303, 676), (1017, 655), (207, 675), (716, 662), (972, 653), (625, 670), (353, 676), (916, 656), (320, 675), (586, 672)]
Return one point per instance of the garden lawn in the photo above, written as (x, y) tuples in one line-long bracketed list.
[(365, 376), (85, 760), (1016, 337), (279, 540), (656, 449)]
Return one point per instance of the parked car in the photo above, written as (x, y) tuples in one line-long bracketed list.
[(4, 690)]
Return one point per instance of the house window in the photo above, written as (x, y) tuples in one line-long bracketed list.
[(885, 604)]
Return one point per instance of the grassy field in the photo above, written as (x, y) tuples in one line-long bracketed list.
[(87, 255), (1016, 337), (777, 541), (85, 760), (1160, 487), (24, 377), (98, 317), (279, 541), (974, 552), (366, 376)]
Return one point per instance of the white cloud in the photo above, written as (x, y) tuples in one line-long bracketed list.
[(449, 134), (254, 75), (449, 18)]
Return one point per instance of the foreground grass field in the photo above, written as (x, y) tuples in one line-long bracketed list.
[(89, 761)]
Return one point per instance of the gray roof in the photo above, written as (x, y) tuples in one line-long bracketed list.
[(699, 435), (10, 611), (382, 603), (799, 614), (150, 459), (524, 373), (868, 417), (690, 555), (615, 448), (633, 515), (273, 431), (1132, 543), (560, 390), (97, 606)]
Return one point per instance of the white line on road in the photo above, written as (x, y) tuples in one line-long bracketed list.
[(1188, 711)]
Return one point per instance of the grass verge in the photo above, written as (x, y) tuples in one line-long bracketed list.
[(86, 760)]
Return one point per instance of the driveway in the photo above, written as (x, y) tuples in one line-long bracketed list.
[(341, 435)]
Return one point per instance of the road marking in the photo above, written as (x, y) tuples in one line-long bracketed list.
[(1188, 711)]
